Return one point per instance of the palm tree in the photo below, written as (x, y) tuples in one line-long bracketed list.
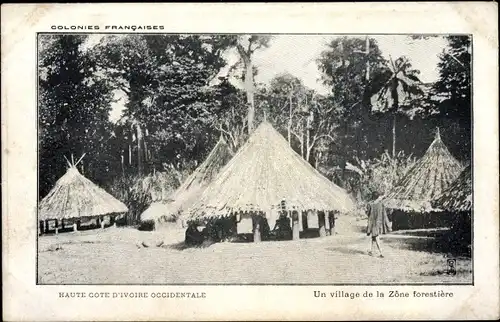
[(399, 90)]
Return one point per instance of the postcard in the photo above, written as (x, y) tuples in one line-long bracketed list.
[(233, 161)]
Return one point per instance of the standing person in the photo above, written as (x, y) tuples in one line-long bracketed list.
[(378, 223), (192, 235), (283, 226)]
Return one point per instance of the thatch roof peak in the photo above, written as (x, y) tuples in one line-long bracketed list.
[(426, 180), (189, 190), (265, 171), (74, 196)]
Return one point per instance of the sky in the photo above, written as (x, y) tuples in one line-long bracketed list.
[(297, 54)]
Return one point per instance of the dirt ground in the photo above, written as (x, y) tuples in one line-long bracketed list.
[(119, 256)]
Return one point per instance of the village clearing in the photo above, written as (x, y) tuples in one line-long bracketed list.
[(117, 256)]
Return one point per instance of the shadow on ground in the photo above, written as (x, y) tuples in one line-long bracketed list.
[(183, 246), (346, 250), (442, 241)]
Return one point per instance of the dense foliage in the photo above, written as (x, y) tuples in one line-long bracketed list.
[(74, 106), (177, 104)]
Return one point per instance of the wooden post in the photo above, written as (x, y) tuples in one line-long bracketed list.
[(304, 221), (331, 217), (327, 224), (321, 219), (256, 228), (75, 227), (46, 226), (101, 221), (295, 226), (56, 225), (112, 218)]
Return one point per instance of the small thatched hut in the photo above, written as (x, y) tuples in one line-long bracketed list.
[(171, 208), (264, 178), (74, 198), (458, 196), (456, 203), (147, 190), (411, 198)]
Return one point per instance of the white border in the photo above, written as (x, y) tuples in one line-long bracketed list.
[(23, 300)]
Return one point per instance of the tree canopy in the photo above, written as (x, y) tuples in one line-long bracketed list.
[(180, 96)]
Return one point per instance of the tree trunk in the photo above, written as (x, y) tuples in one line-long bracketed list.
[(123, 166), (290, 122), (308, 137), (302, 148), (394, 136), (249, 86), (130, 155), (318, 157), (140, 165), (367, 52)]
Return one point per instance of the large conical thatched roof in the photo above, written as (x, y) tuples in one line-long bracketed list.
[(184, 196), (458, 196), (426, 180), (75, 196), (264, 172)]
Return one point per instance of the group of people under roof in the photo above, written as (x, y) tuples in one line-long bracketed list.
[(224, 229)]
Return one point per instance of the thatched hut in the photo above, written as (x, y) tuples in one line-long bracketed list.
[(75, 198), (458, 196), (147, 190), (267, 178), (171, 209), (456, 203), (411, 198)]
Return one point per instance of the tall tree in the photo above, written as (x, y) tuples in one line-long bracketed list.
[(307, 119), (401, 87), (246, 46), (167, 81), (74, 106), (284, 97), (344, 65), (127, 62), (231, 119), (454, 90)]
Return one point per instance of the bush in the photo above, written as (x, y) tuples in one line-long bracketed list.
[(137, 192), (377, 175)]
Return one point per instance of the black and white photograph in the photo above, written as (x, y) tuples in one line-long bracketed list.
[(254, 159)]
